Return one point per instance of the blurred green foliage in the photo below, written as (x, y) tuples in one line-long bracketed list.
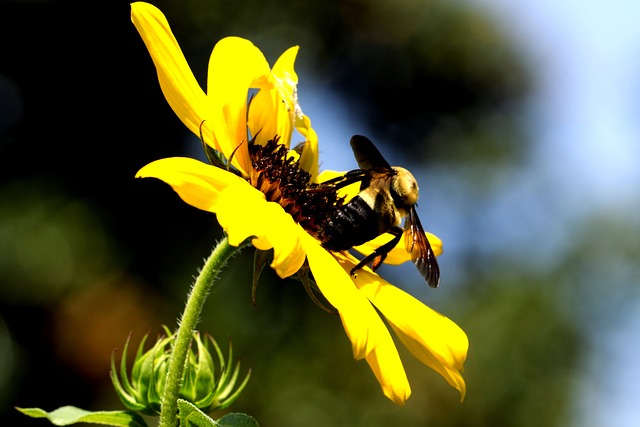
[(50, 244)]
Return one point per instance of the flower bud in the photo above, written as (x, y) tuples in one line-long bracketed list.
[(205, 386)]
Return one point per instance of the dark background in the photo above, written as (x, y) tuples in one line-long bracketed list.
[(88, 254)]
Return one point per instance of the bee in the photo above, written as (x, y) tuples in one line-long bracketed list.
[(388, 195)]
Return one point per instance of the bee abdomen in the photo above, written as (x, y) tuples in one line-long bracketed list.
[(353, 224)]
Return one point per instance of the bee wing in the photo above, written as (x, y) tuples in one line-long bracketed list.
[(417, 244), (366, 154)]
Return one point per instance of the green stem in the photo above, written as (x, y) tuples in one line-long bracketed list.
[(195, 301)]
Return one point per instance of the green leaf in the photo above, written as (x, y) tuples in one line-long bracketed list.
[(68, 415), (236, 419), (190, 415)]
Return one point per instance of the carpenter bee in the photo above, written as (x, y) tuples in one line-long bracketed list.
[(388, 195)]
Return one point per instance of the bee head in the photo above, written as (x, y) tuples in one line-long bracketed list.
[(404, 188)]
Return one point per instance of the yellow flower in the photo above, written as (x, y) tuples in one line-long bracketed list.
[(249, 203)]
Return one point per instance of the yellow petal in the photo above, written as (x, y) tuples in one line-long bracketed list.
[(452, 374), (236, 209), (180, 88), (284, 234), (286, 77), (432, 338), (398, 254), (235, 66), (326, 175), (292, 115), (266, 120), (347, 192), (286, 94), (197, 183), (243, 212), (273, 111), (385, 363), (361, 322), (310, 155), (384, 359)]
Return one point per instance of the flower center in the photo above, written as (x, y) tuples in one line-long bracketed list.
[(278, 175)]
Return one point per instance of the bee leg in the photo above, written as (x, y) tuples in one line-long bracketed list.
[(376, 257), (377, 261), (338, 182)]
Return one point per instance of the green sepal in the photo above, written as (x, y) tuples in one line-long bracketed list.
[(148, 374), (199, 375), (201, 385), (122, 386), (260, 260), (68, 415), (309, 284), (228, 380), (216, 158)]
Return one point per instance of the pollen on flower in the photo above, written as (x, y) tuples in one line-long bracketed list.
[(279, 177), (287, 87)]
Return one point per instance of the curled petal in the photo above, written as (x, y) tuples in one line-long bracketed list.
[(273, 111), (310, 156), (361, 322), (266, 120), (287, 89), (432, 338), (243, 212), (284, 235), (235, 66), (180, 87), (286, 79), (197, 183)]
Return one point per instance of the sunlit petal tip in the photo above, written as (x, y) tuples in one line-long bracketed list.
[(398, 397), (138, 6), (284, 66), (178, 84), (386, 365), (462, 388)]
